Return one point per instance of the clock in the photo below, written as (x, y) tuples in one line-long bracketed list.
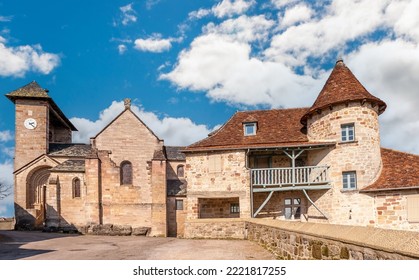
[(30, 123)]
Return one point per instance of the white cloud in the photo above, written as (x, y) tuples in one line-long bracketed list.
[(153, 44), (5, 136), (167, 128), (122, 48), (17, 61), (128, 14), (296, 14), (225, 8)]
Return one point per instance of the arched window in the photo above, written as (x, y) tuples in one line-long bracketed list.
[(126, 173), (76, 188), (180, 171)]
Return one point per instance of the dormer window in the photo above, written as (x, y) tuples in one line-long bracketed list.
[(249, 129), (348, 132)]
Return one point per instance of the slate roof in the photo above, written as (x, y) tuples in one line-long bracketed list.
[(69, 150), (341, 87), (174, 153), (400, 171), (72, 165), (275, 128), (176, 187)]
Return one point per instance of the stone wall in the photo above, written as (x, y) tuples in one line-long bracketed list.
[(362, 155), (217, 207), (391, 210), (216, 229), (217, 175), (311, 241)]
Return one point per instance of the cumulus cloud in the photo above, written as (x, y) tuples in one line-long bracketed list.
[(166, 128), (239, 62), (296, 14), (17, 61), (153, 44), (225, 8), (128, 14)]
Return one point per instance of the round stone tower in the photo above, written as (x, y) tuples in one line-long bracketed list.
[(347, 114)]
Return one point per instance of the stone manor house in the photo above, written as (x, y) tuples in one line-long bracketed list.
[(319, 164)]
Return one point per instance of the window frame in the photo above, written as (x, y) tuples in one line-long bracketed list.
[(294, 207), (252, 125), (235, 208), (345, 130), (122, 177), (412, 207), (178, 204), (180, 167), (76, 188), (346, 180)]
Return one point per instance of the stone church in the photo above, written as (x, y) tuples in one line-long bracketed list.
[(319, 164), (124, 177)]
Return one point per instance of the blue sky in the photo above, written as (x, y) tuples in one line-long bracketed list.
[(189, 65)]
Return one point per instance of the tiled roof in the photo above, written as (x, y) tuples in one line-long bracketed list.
[(274, 128), (72, 165), (400, 171), (174, 153), (69, 150), (176, 187), (341, 87), (159, 155), (33, 89)]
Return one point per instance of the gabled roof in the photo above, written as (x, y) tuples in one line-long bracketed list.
[(276, 127), (400, 171), (34, 91), (341, 87), (69, 150)]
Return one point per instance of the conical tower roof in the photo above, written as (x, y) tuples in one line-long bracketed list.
[(342, 87)]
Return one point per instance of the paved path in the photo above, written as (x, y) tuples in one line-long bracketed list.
[(55, 246)]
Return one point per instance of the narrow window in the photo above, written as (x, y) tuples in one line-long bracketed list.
[(126, 173), (76, 188), (180, 171), (348, 132), (249, 129), (349, 180), (234, 208), (292, 208), (179, 204)]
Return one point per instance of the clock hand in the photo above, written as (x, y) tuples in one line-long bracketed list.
[(32, 124)]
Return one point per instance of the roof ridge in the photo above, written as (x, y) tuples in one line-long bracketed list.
[(273, 109), (398, 151)]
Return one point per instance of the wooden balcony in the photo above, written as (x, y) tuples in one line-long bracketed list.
[(290, 177)]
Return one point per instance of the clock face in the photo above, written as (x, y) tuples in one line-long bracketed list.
[(30, 123)]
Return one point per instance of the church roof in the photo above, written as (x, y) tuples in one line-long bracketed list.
[(69, 150), (72, 165), (400, 171), (341, 87), (33, 89), (174, 153), (275, 128)]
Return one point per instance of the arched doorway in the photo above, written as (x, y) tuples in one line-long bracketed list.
[(36, 187)]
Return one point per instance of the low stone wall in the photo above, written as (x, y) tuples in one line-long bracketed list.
[(312, 241), (216, 228), (295, 240)]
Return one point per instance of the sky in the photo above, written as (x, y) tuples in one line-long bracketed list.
[(189, 65)]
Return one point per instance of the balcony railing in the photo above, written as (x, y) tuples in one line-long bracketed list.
[(301, 176)]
